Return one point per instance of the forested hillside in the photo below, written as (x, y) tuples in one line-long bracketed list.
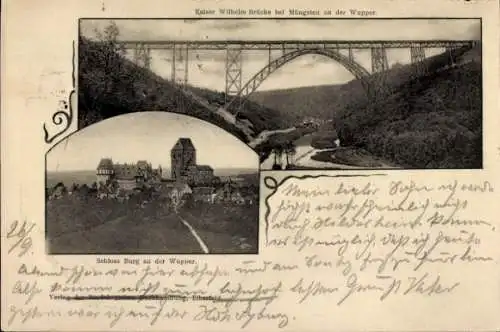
[(434, 121), (424, 121), (324, 100)]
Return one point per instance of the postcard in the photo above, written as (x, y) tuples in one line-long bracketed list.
[(260, 166)]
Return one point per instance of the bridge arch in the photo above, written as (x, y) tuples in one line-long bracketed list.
[(253, 83)]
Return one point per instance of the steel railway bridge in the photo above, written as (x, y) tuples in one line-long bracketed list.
[(289, 50)]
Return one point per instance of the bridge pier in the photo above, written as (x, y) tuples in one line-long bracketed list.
[(270, 57), (180, 64), (142, 55), (417, 55), (378, 87), (234, 64), (379, 60), (449, 50)]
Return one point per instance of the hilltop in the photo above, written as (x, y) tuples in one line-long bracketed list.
[(427, 121), (111, 85)]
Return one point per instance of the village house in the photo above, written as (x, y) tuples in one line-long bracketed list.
[(178, 191), (199, 174), (204, 194)]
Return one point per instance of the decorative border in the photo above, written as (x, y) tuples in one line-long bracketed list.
[(64, 116), (271, 183)]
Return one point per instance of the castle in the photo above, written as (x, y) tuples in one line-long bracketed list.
[(183, 163)]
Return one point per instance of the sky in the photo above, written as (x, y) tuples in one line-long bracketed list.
[(206, 68), (149, 136)]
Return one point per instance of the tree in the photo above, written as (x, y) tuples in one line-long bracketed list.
[(74, 187), (100, 77), (290, 151), (109, 37), (59, 189), (278, 153), (216, 182), (188, 200), (84, 190), (277, 167)]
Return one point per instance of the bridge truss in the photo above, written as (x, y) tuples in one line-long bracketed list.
[(236, 91)]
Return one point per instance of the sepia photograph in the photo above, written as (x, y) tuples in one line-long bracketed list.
[(250, 166), (151, 183), (305, 94)]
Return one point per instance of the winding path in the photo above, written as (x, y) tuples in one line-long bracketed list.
[(202, 244)]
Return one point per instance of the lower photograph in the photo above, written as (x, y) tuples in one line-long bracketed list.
[(152, 183)]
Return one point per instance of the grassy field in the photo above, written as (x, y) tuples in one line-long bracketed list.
[(76, 226), (129, 235), (222, 226), (92, 225)]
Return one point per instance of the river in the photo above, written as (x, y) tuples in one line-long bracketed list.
[(264, 135), (304, 152)]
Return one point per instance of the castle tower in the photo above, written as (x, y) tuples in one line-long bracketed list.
[(105, 170), (182, 155)]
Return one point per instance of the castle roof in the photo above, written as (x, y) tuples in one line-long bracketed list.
[(105, 163), (204, 168), (142, 164), (183, 143)]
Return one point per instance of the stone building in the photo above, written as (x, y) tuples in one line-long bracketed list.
[(105, 170), (199, 174), (182, 155), (128, 176), (184, 167)]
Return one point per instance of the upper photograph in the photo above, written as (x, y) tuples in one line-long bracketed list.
[(305, 94)]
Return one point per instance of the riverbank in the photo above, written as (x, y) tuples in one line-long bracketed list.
[(352, 156), (340, 158)]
